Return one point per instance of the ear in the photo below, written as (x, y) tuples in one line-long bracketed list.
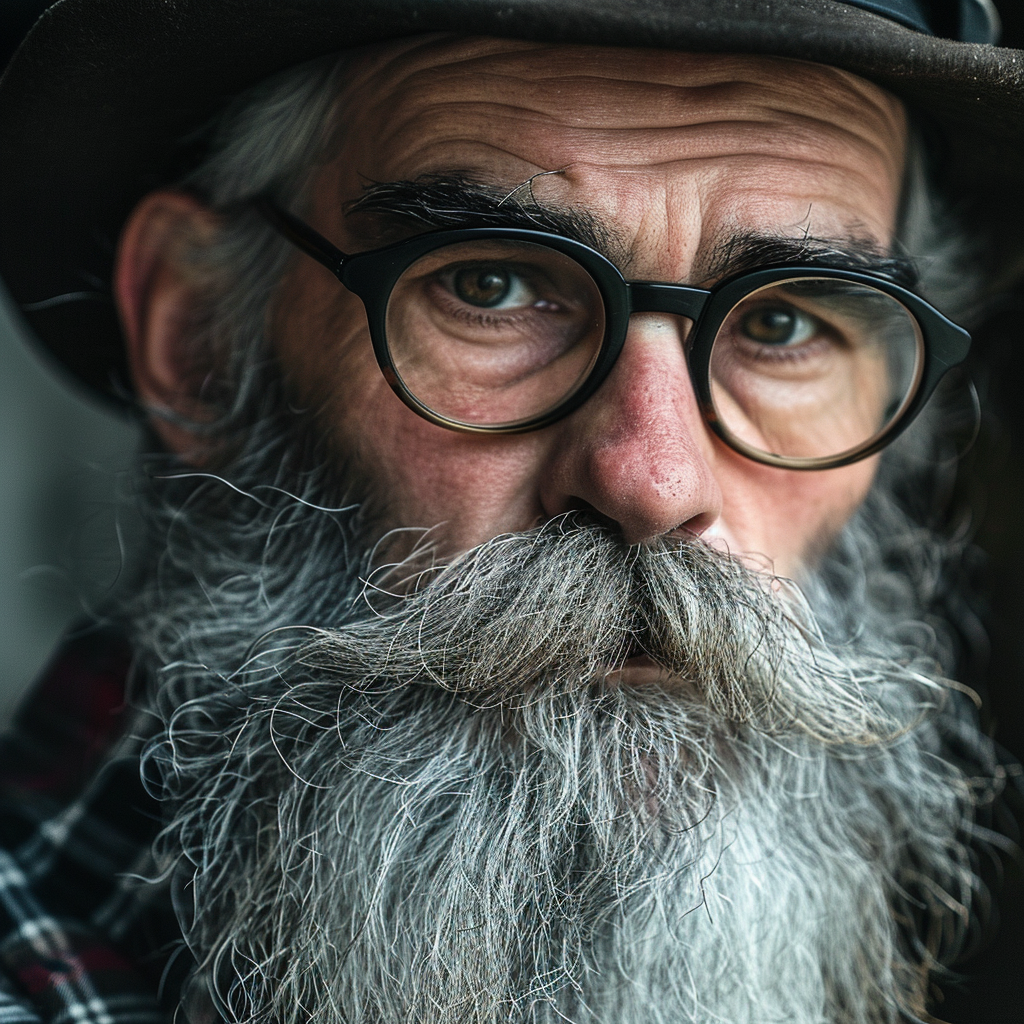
[(163, 300)]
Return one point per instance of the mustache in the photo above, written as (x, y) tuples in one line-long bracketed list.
[(551, 612), (385, 815)]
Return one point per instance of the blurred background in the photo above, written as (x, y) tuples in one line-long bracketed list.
[(61, 458), (63, 461)]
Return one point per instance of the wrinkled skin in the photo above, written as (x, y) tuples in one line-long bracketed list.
[(673, 153)]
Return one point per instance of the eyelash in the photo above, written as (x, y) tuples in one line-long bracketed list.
[(467, 314)]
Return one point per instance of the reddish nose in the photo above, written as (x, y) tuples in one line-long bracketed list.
[(638, 452)]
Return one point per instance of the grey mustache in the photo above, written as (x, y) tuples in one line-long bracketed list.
[(552, 611)]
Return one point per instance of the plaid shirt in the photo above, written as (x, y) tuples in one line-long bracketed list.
[(84, 937)]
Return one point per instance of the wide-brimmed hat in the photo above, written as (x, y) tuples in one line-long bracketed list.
[(99, 95)]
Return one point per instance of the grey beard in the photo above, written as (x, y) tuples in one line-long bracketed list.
[(447, 812)]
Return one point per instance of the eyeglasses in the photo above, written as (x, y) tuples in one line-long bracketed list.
[(503, 331)]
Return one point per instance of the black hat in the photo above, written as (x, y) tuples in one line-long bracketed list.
[(100, 93)]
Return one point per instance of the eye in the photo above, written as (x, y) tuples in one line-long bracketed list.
[(779, 325), (491, 286)]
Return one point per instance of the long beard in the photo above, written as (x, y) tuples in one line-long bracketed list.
[(450, 810)]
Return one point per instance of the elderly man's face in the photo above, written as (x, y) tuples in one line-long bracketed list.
[(674, 155), (675, 158), (448, 807)]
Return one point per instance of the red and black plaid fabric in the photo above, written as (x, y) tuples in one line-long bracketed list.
[(86, 933)]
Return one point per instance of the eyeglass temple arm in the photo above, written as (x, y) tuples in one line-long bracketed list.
[(301, 234)]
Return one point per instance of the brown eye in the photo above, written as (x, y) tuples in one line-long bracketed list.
[(482, 286), (778, 325)]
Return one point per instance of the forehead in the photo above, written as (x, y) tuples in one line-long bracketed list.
[(639, 137)]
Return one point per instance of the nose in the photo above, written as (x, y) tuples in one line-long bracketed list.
[(638, 452)]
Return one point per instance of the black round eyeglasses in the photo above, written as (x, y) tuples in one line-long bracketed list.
[(503, 331)]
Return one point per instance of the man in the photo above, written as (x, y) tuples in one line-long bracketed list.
[(527, 617)]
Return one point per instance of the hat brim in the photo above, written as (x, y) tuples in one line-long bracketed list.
[(100, 93)]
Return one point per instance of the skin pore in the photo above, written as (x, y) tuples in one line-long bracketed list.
[(673, 155)]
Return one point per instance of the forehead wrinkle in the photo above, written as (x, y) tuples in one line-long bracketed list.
[(550, 104), (700, 172), (706, 140), (400, 59), (604, 96), (696, 74), (707, 143), (722, 117), (431, 159), (523, 60), (853, 99), (629, 239), (669, 104), (513, 117), (675, 234), (713, 128), (603, 153), (422, 117)]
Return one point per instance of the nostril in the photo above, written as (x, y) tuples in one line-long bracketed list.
[(640, 530), (573, 505), (696, 525)]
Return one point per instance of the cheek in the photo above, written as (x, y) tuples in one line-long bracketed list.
[(788, 516), (464, 488)]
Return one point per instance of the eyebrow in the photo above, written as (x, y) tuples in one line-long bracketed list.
[(459, 200), (751, 250)]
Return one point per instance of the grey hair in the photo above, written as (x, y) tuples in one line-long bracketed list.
[(324, 780), (240, 560), (270, 141)]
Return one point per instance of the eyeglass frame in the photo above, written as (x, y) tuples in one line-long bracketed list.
[(372, 276)]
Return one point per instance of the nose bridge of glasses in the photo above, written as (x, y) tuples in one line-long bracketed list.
[(653, 297)]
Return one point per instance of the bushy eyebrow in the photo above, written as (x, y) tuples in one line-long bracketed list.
[(462, 201), (750, 250)]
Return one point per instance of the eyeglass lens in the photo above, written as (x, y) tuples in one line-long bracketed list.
[(814, 367), (495, 332)]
